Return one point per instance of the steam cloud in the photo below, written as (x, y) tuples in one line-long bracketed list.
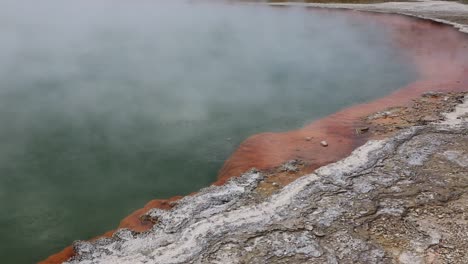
[(105, 104)]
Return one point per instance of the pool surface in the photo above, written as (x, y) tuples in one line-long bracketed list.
[(105, 105)]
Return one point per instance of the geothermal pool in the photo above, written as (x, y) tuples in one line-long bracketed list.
[(105, 105)]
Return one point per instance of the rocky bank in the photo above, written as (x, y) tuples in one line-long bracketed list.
[(403, 199)]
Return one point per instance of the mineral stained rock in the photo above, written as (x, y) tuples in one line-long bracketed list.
[(403, 199)]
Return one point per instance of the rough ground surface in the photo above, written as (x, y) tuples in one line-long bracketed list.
[(447, 12), (430, 107), (399, 200)]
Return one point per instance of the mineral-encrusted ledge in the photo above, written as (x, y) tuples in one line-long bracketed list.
[(402, 199)]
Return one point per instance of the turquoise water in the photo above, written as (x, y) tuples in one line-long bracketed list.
[(105, 105)]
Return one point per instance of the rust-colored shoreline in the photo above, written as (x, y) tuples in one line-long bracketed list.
[(440, 55)]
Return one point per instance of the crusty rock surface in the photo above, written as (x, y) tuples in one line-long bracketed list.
[(399, 200)]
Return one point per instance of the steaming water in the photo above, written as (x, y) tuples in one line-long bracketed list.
[(106, 105)]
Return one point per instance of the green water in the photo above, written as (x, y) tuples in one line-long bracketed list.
[(105, 105)]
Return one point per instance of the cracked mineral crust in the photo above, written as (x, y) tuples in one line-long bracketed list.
[(403, 199)]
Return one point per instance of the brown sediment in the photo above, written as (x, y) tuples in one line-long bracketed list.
[(68, 252), (440, 56), (59, 257), (430, 107)]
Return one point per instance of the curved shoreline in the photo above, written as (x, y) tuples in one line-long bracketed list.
[(397, 200), (442, 64), (269, 150), (425, 9)]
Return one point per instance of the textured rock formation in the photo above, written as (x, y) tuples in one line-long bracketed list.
[(402, 199)]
